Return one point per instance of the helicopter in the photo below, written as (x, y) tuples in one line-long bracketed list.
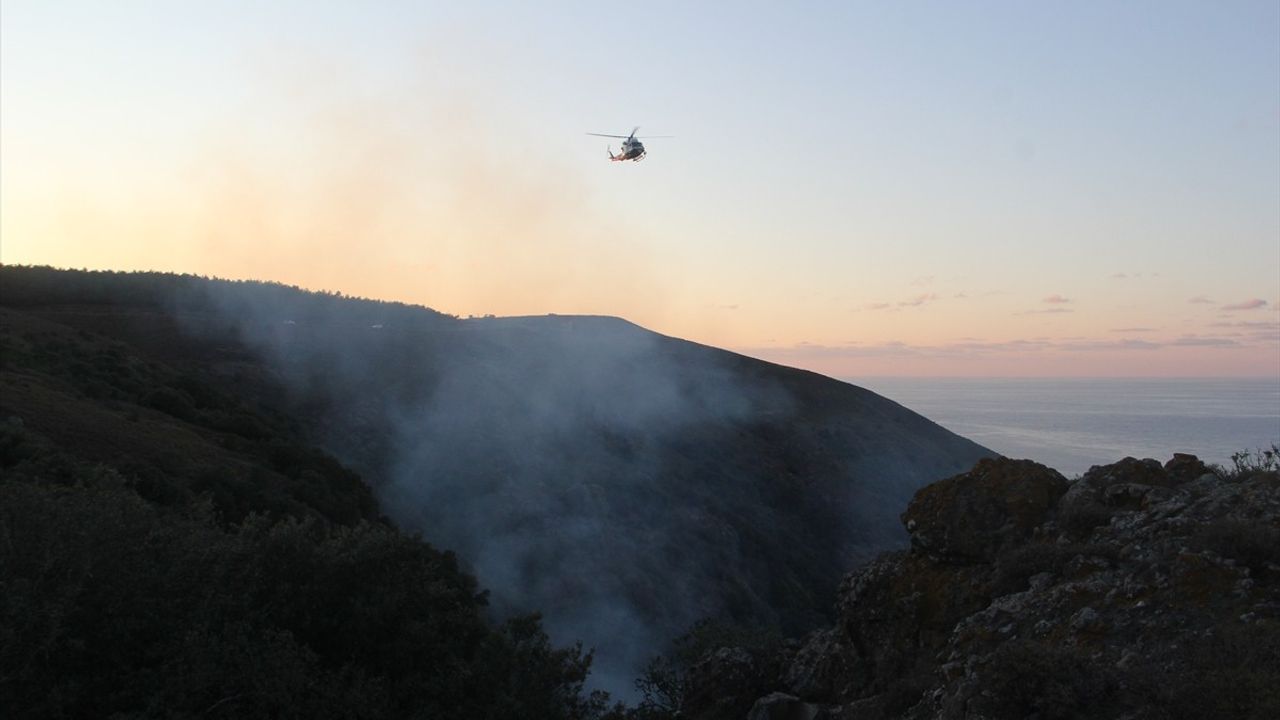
[(632, 148)]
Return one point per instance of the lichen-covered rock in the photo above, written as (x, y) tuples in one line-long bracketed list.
[(1184, 468), (1128, 470), (822, 663), (972, 516)]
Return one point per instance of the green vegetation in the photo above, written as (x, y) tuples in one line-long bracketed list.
[(112, 606), (173, 435), (1016, 567), (1252, 543), (1025, 679), (1234, 670), (666, 678), (45, 286), (171, 550), (1248, 462)]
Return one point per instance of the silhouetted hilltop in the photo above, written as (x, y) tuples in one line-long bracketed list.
[(625, 483), (168, 549)]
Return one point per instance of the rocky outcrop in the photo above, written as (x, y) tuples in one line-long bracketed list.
[(1140, 590), (972, 517)]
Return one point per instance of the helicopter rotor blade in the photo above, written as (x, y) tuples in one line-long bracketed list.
[(647, 137), (634, 130), (624, 137)]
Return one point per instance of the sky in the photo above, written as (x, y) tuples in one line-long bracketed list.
[(924, 188)]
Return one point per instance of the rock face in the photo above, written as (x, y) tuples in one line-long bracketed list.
[(1140, 590), (972, 517)]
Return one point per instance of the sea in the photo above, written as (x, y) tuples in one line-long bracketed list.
[(1072, 424)]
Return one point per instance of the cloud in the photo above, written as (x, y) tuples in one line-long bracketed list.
[(1049, 311), (915, 301), (1251, 304), (1108, 345), (1197, 341), (971, 347), (924, 280), (1056, 299), (894, 348), (1118, 276), (919, 300), (1133, 330), (1248, 324), (1200, 300)]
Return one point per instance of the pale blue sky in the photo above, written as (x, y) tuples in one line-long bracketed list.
[(849, 182)]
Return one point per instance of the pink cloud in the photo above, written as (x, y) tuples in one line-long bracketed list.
[(1198, 341), (1252, 304), (1200, 300), (1056, 300), (919, 300)]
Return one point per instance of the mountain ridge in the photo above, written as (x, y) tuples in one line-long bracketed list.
[(625, 483)]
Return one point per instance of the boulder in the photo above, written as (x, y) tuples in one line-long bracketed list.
[(818, 666), (971, 517), (1184, 468), (1132, 471)]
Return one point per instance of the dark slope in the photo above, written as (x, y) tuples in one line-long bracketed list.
[(623, 482), (166, 550)]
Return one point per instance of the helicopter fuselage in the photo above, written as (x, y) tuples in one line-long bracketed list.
[(631, 150)]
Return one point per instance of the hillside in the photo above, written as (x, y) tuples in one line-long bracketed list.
[(168, 550), (624, 483)]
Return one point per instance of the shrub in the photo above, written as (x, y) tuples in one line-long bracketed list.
[(1027, 679), (1015, 568), (171, 402), (112, 607), (1079, 520), (1248, 462), (1251, 543), (1233, 673)]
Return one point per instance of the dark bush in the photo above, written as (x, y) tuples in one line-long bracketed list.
[(1015, 568), (113, 608), (1233, 673), (1079, 520), (1027, 679), (1251, 543), (171, 402), (1248, 462)]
